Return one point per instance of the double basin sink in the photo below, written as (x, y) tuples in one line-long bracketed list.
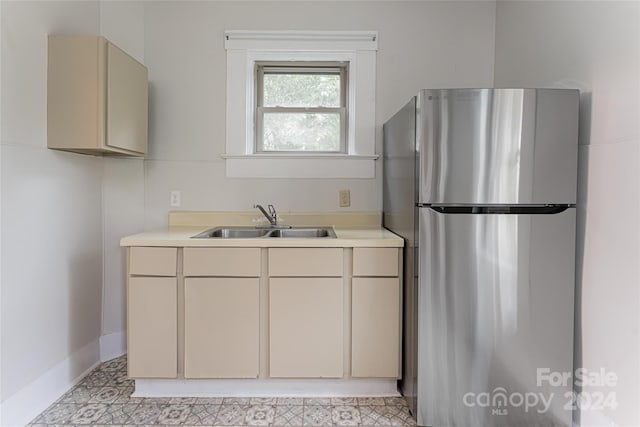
[(276, 232)]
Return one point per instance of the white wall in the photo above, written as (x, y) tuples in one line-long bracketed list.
[(51, 217), (421, 44), (595, 47), (122, 22), (63, 215)]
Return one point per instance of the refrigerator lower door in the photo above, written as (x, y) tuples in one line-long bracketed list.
[(495, 321)]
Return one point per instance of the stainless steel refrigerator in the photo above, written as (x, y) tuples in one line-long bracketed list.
[(481, 184)]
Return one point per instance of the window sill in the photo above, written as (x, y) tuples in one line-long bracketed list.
[(300, 166)]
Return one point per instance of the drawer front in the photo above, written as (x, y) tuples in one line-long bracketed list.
[(303, 262), (375, 262), (147, 261), (240, 262)]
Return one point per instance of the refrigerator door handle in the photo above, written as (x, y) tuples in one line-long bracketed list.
[(497, 209)]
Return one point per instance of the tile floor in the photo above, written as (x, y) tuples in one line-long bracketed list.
[(103, 398)]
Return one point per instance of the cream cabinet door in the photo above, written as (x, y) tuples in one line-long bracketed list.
[(305, 328), (221, 327), (375, 336), (153, 327), (127, 100)]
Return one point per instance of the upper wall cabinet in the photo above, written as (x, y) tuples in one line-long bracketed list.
[(97, 98)]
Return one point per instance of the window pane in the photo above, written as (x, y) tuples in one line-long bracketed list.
[(301, 90), (301, 132)]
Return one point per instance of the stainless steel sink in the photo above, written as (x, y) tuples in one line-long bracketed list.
[(253, 232), (304, 233)]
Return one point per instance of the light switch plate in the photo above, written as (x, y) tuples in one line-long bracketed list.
[(345, 198)]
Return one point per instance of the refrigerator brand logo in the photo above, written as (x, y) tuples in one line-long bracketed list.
[(498, 400)]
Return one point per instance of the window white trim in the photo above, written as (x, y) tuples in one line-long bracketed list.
[(245, 48), (316, 40)]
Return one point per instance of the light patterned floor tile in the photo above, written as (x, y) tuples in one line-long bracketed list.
[(183, 400), (106, 395), (371, 401), (345, 416), (103, 398), (174, 414), (342, 401), (316, 415), (288, 415), (236, 401), (263, 401), (97, 378), (78, 394), (290, 401), (121, 379), (58, 413), (156, 400), (399, 415), (209, 401), (88, 414), (125, 396), (260, 415), (145, 414), (320, 401), (203, 415), (374, 416), (117, 414), (395, 401), (231, 415)]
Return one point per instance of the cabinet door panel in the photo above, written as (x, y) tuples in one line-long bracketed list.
[(127, 101), (375, 336), (153, 327), (305, 328), (222, 327)]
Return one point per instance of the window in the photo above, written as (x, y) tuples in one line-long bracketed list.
[(300, 104), (301, 107)]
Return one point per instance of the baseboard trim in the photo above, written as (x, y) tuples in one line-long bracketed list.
[(262, 388), (113, 345), (31, 400)]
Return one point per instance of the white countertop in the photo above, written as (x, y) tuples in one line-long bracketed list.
[(180, 236)]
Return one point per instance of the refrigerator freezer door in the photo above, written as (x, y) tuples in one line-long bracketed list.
[(496, 294), (497, 146)]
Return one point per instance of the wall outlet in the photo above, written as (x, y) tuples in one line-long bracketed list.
[(345, 198), (175, 199)]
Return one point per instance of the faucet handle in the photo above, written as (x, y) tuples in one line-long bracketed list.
[(272, 212)]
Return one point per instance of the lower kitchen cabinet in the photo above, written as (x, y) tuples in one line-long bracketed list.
[(305, 327), (153, 327), (222, 331), (375, 325)]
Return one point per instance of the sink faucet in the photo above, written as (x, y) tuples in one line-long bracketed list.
[(272, 216)]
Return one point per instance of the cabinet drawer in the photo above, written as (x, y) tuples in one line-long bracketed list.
[(146, 261), (304, 262), (375, 261), (241, 262)]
